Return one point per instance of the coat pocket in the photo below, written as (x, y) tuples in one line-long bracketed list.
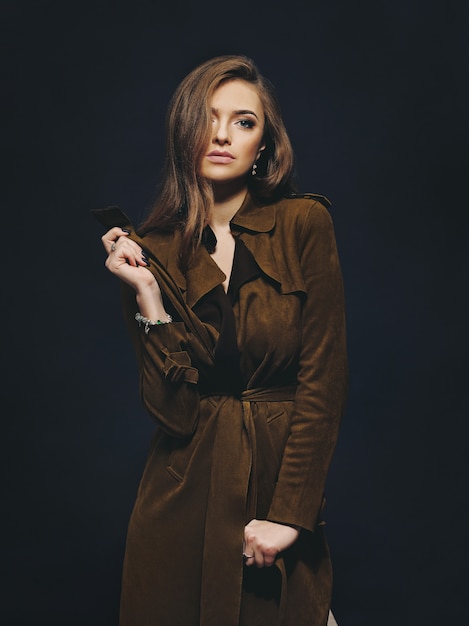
[(184, 452), (278, 417)]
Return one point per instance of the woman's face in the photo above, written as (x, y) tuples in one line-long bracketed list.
[(237, 133)]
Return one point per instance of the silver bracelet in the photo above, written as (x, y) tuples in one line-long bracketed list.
[(147, 323)]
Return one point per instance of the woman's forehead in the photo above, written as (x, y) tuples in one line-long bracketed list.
[(237, 95)]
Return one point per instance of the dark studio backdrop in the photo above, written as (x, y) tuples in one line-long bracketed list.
[(375, 97)]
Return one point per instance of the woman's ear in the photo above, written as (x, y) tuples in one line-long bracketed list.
[(260, 151)]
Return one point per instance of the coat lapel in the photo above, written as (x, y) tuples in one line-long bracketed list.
[(255, 224), (202, 276)]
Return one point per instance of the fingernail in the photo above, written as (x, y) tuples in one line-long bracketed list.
[(125, 230)]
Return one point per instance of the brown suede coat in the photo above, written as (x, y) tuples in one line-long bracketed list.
[(216, 462)]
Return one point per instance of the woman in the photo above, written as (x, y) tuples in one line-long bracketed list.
[(239, 332)]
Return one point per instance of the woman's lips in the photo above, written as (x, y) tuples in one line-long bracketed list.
[(220, 157)]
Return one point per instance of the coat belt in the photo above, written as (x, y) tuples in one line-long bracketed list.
[(232, 499)]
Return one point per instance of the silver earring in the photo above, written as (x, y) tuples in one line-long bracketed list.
[(254, 168)]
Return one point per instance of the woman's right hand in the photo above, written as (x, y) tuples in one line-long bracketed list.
[(126, 259)]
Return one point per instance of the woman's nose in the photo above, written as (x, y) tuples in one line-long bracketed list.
[(221, 133)]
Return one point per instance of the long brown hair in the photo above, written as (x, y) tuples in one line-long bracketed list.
[(185, 198)]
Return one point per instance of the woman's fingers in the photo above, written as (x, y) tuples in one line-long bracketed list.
[(119, 248), (248, 555), (124, 257), (126, 250), (126, 253), (264, 540), (111, 237)]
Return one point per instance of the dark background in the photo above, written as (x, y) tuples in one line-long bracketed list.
[(375, 96)]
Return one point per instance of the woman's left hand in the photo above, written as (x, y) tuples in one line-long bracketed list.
[(264, 540)]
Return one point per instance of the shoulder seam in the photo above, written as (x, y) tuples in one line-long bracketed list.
[(311, 196)]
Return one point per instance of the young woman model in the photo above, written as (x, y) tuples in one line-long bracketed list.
[(233, 295)]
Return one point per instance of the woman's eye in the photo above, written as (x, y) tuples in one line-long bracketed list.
[(246, 123)]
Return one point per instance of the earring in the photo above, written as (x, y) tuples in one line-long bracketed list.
[(254, 168)]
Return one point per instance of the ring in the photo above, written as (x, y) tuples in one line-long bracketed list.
[(113, 247), (247, 556)]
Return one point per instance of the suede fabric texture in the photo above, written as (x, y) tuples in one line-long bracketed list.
[(216, 462)]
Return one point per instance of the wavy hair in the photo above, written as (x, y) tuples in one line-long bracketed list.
[(185, 198)]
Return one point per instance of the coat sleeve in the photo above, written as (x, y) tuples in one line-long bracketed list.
[(322, 378), (168, 380)]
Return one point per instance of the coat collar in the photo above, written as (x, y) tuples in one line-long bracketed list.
[(254, 216), (204, 274), (254, 223)]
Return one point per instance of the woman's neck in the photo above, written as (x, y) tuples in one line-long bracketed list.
[(225, 206)]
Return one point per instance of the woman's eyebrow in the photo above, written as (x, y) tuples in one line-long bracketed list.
[(245, 112), (239, 112)]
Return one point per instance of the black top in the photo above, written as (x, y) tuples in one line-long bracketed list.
[(216, 309)]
